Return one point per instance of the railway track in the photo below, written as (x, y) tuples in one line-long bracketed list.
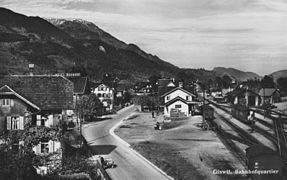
[(280, 137)]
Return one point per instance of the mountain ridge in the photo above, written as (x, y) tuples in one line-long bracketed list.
[(53, 49), (235, 73)]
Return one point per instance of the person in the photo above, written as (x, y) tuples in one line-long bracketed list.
[(152, 114), (252, 121)]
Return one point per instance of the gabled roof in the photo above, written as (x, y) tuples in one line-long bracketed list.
[(242, 90), (6, 90), (80, 84), (97, 84), (176, 99), (267, 92), (177, 88), (47, 92)]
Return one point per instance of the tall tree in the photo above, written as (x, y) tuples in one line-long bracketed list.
[(267, 82), (226, 81), (89, 107)]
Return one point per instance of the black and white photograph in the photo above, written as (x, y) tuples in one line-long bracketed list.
[(143, 90)]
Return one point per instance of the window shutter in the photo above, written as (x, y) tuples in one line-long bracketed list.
[(37, 149), (51, 146), (1, 100), (21, 122), (57, 145), (38, 120), (8, 122), (18, 123)]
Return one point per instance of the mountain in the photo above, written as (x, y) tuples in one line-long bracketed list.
[(58, 45), (235, 73), (278, 74), (85, 30)]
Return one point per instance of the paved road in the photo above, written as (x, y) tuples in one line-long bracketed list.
[(129, 165)]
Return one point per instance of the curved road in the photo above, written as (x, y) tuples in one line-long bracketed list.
[(129, 165)]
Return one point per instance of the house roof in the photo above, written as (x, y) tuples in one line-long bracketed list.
[(176, 99), (177, 88), (242, 90), (164, 82), (267, 92), (45, 92), (140, 85), (80, 84), (97, 84)]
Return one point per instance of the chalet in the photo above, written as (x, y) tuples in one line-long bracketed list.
[(246, 97), (37, 100), (180, 100), (105, 94), (269, 95)]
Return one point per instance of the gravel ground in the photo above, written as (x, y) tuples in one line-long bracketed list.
[(184, 151)]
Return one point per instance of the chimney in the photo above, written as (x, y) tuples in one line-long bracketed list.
[(180, 84), (31, 69)]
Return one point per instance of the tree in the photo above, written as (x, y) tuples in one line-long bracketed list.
[(226, 81), (282, 85), (153, 79), (17, 156), (89, 107), (218, 82), (267, 82)]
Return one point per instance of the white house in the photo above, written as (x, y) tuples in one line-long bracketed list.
[(105, 94), (179, 100)]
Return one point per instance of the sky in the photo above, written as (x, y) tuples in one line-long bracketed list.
[(250, 35)]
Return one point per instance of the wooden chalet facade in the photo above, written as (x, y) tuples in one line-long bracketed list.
[(37, 100), (269, 95)]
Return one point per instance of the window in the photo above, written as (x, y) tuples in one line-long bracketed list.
[(15, 122), (167, 97), (178, 106), (187, 97), (5, 102), (44, 147)]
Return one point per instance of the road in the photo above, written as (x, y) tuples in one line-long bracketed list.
[(129, 165)]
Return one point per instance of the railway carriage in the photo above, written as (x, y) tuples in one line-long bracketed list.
[(262, 158), (240, 112)]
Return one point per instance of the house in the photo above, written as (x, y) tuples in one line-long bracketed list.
[(105, 93), (269, 95), (179, 100), (35, 100), (143, 88), (245, 97)]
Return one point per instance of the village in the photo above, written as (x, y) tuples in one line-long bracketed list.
[(55, 121)]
